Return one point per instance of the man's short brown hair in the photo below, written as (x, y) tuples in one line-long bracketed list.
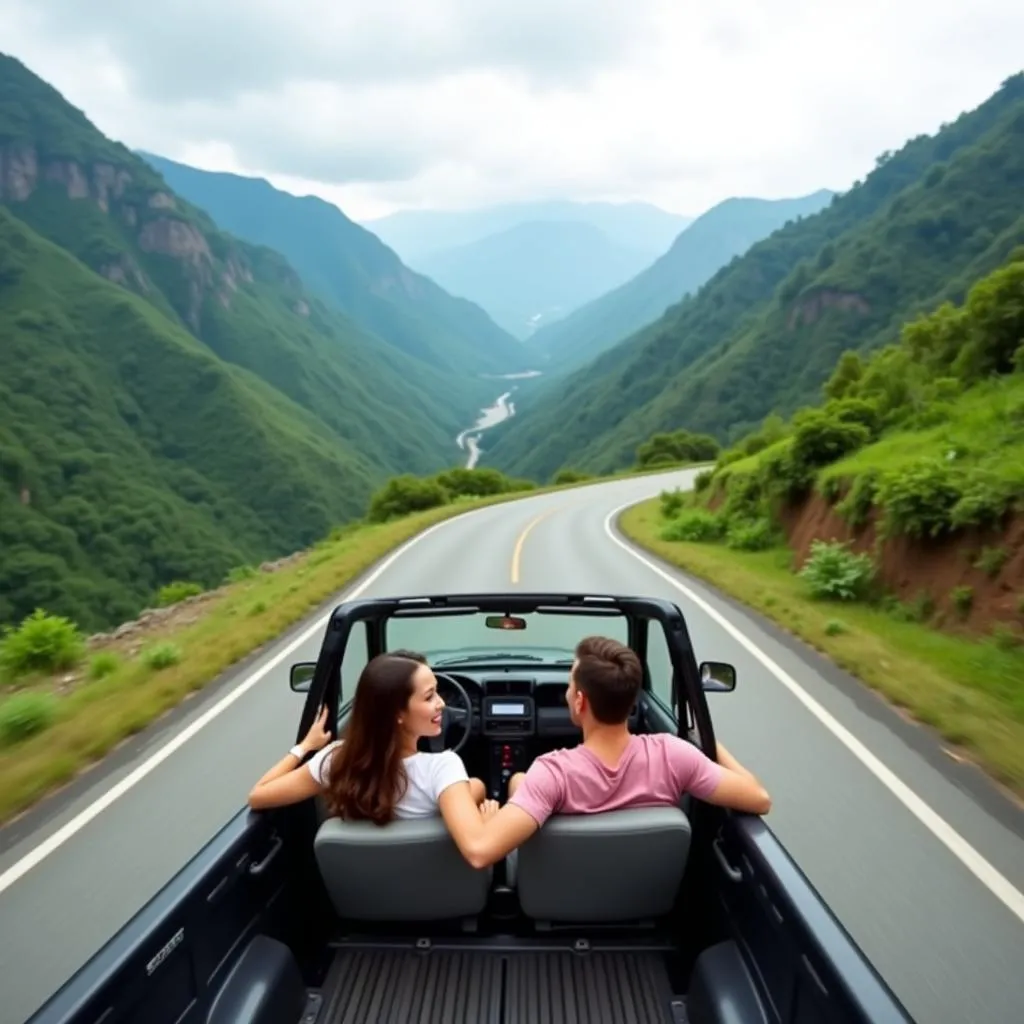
[(610, 675)]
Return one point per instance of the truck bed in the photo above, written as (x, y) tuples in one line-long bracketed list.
[(461, 986)]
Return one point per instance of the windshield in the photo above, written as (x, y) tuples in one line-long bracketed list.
[(548, 637)]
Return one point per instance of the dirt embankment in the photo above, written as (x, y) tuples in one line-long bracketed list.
[(913, 569)]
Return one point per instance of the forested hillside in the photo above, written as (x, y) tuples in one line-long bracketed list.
[(353, 270), (725, 231), (884, 524), (765, 331), (175, 401), (130, 455)]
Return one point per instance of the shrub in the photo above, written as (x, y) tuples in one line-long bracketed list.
[(821, 438), (1007, 637), (695, 524), (995, 310), (241, 573), (103, 664), (680, 446), (729, 456), (919, 499), (518, 483), (831, 488), (860, 498), (846, 376), (782, 475), (923, 606), (836, 573), (42, 643), (478, 483), (24, 715), (834, 628), (757, 535), (177, 591), (406, 494), (984, 500), (962, 599), (932, 414), (161, 656), (991, 561), (671, 502), (856, 410), (744, 498), (702, 481), (571, 476)]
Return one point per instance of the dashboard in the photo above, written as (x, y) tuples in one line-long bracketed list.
[(514, 705)]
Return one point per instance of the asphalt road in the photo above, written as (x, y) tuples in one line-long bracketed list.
[(952, 949)]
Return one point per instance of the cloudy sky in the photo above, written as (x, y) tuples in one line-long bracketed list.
[(382, 104)]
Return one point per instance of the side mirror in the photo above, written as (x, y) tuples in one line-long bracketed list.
[(717, 677), (301, 676)]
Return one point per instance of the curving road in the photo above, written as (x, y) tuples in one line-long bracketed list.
[(935, 902)]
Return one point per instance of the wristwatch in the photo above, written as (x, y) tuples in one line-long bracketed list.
[(298, 751)]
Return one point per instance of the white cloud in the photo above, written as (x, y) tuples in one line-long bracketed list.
[(462, 102)]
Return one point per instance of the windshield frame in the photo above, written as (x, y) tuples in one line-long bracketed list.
[(688, 697), (504, 649)]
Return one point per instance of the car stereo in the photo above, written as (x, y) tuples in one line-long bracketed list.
[(508, 716)]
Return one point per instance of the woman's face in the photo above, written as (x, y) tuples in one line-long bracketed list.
[(424, 713)]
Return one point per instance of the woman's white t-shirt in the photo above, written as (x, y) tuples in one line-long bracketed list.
[(429, 776)]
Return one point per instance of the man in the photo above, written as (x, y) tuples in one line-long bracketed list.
[(612, 768)]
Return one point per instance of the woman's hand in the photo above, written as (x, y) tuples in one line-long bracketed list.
[(488, 809), (318, 736)]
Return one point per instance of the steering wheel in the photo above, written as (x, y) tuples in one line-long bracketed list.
[(463, 715)]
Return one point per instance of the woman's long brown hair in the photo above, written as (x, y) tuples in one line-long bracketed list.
[(366, 777)]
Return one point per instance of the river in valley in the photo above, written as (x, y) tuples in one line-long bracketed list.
[(502, 409)]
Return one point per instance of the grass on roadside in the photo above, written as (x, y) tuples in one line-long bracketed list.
[(970, 691), (101, 712)]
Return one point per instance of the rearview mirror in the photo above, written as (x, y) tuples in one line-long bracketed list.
[(717, 677), (301, 676), (504, 622)]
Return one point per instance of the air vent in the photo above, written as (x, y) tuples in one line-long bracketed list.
[(508, 687)]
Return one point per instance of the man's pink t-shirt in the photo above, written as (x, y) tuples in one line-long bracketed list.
[(654, 770)]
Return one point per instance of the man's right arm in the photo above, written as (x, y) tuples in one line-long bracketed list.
[(738, 787), (725, 783)]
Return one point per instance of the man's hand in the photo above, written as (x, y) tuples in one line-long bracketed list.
[(488, 809)]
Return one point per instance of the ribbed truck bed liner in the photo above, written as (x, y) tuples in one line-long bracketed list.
[(482, 987)]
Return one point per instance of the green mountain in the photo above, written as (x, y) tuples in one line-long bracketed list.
[(172, 401), (415, 234), (534, 272), (353, 270), (764, 333), (714, 238)]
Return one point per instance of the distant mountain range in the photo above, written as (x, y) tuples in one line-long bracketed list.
[(414, 234), (535, 272), (529, 264), (724, 232)]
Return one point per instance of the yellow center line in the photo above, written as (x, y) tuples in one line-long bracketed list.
[(517, 551)]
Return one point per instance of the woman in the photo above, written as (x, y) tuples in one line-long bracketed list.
[(376, 773)]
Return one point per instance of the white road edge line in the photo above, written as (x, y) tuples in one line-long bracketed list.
[(39, 853), (989, 876)]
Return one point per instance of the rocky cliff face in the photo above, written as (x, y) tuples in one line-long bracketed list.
[(810, 308), (152, 221)]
